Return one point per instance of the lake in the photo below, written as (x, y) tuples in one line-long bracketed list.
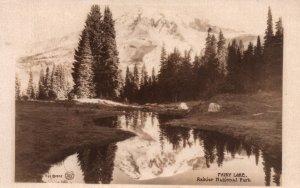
[(161, 154)]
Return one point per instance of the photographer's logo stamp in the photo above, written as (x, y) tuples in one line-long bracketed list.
[(69, 175)]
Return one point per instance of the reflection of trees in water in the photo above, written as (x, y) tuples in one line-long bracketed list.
[(136, 119), (247, 148), (209, 145), (220, 151), (270, 162), (97, 163), (175, 135), (215, 145), (256, 154)]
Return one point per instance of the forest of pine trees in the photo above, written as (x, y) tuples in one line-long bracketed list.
[(52, 85), (223, 67)]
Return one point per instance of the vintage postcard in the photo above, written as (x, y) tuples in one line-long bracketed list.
[(149, 92)]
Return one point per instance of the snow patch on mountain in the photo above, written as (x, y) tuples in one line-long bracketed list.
[(140, 35)]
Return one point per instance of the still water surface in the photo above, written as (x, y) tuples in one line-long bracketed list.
[(162, 154)]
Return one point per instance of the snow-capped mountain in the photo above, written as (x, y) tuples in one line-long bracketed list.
[(141, 32)]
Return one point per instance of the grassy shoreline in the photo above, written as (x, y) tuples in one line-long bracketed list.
[(256, 119), (48, 132)]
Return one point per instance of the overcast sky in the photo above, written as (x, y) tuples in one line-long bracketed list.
[(27, 21)]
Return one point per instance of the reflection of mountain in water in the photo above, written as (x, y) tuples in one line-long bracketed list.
[(162, 151)]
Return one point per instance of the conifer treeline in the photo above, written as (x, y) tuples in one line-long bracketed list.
[(51, 86), (95, 70), (141, 87), (220, 69)]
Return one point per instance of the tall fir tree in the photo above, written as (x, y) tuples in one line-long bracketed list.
[(144, 86), (248, 69), (277, 67), (273, 54), (222, 54), (60, 86), (77, 62), (93, 26), (144, 75), (30, 88), (54, 85), (185, 74), (136, 77), (106, 71), (41, 87), (153, 87), (211, 66), (199, 73), (232, 67), (208, 47), (129, 86), (94, 29), (47, 82), (279, 29), (269, 31), (83, 70), (259, 64)]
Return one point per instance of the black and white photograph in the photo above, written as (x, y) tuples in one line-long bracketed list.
[(148, 92)]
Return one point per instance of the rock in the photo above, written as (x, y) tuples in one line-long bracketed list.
[(183, 106), (214, 107)]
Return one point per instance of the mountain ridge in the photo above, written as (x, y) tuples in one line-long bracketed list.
[(140, 35)]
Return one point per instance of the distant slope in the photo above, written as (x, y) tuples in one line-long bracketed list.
[(140, 36)]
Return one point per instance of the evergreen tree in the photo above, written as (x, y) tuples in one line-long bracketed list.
[(169, 83), (94, 30), (277, 57), (273, 54), (211, 66), (221, 52), (93, 26), (269, 31), (232, 67), (61, 83), (17, 88), (200, 74), (259, 65), (162, 72), (208, 47), (82, 71), (163, 59), (144, 75), (279, 29), (185, 77), (47, 82), (241, 48), (153, 75), (248, 69), (77, 62), (106, 70), (144, 86), (153, 87), (54, 85), (129, 86), (41, 87), (30, 89), (136, 77)]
